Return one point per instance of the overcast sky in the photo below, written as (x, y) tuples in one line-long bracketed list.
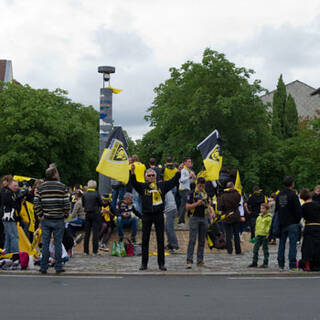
[(60, 44)]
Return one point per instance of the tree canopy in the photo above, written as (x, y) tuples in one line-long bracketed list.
[(216, 94), (285, 115), (38, 127)]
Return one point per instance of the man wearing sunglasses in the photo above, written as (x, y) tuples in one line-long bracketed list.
[(152, 195)]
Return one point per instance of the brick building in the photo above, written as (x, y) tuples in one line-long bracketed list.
[(307, 98)]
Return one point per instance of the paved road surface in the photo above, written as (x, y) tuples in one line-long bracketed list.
[(158, 297)]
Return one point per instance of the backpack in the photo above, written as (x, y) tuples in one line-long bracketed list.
[(129, 248), (24, 260), (123, 252), (275, 226), (137, 249), (216, 238), (115, 249)]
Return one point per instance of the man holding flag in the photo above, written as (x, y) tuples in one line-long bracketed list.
[(114, 160), (152, 198)]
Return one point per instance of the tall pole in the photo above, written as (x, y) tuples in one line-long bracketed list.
[(105, 126)]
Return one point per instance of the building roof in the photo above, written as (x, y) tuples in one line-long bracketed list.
[(307, 101), (315, 92)]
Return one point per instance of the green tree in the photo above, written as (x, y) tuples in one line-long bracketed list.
[(131, 144), (291, 114), (279, 115), (301, 156), (201, 97), (38, 126)]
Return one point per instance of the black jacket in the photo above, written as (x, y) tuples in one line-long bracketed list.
[(254, 203), (146, 196), (288, 207), (228, 202), (10, 201), (311, 212), (92, 202), (316, 198)]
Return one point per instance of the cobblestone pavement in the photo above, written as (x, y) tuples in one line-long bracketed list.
[(217, 262)]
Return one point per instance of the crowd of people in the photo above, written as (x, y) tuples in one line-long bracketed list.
[(167, 196)]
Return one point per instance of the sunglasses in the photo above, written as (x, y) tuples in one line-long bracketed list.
[(151, 175)]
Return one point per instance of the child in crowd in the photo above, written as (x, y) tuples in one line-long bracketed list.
[(107, 225), (261, 232)]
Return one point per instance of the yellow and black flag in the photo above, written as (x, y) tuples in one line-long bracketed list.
[(114, 160), (210, 149)]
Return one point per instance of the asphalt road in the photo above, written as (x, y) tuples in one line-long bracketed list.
[(158, 297)]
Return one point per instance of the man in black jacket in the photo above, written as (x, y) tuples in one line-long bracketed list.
[(152, 195), (92, 203), (10, 207), (289, 211), (228, 202)]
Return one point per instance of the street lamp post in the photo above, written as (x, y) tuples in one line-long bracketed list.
[(105, 123)]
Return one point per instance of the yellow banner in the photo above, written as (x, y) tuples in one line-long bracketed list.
[(114, 162), (213, 164)]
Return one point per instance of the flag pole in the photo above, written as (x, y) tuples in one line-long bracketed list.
[(105, 122)]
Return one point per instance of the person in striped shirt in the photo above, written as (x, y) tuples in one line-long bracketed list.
[(52, 205)]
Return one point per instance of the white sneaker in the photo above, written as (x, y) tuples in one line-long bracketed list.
[(103, 247)]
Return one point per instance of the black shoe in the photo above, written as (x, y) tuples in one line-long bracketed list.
[(162, 268), (60, 271), (133, 240), (264, 266), (120, 239), (252, 265), (143, 268), (43, 271)]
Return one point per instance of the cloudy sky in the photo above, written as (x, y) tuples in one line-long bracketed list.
[(60, 44)]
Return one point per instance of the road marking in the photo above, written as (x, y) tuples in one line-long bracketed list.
[(57, 276), (272, 278)]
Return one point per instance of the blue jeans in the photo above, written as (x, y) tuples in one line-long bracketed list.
[(136, 200), (49, 226), (182, 208), (127, 223), (117, 192), (171, 234), (11, 236), (75, 225), (292, 232), (197, 228)]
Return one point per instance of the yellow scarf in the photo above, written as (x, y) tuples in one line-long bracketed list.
[(202, 194), (156, 194)]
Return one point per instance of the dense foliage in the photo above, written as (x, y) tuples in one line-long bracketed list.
[(284, 113), (38, 127), (215, 94)]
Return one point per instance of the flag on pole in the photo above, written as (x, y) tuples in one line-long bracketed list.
[(211, 152), (114, 160), (114, 90), (237, 184)]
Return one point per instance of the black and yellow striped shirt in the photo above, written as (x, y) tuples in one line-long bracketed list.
[(52, 201)]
